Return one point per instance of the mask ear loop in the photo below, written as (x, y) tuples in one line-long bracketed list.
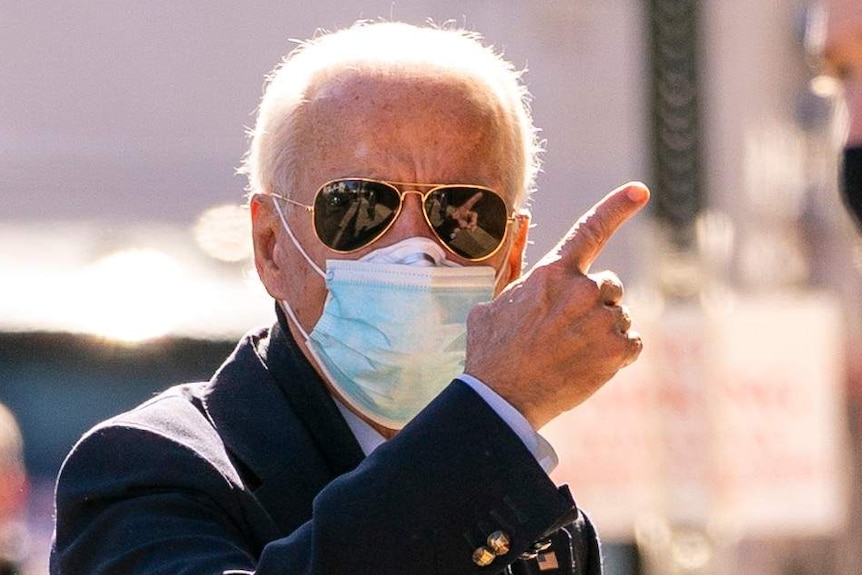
[(284, 304), (498, 275), (294, 240)]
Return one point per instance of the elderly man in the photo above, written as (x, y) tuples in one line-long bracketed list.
[(387, 422)]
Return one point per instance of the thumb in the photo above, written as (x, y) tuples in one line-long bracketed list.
[(587, 238)]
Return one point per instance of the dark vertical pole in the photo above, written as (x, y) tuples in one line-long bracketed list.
[(675, 112), (678, 198)]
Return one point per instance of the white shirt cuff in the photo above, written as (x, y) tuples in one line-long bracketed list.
[(535, 443)]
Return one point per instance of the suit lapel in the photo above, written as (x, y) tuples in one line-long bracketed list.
[(280, 426), (311, 401)]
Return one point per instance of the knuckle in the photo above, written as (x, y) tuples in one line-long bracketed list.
[(626, 314), (627, 347), (614, 281), (635, 345), (593, 228), (612, 316), (609, 287)]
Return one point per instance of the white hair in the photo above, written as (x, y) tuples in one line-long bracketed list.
[(271, 163)]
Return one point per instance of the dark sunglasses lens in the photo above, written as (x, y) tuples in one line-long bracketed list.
[(350, 214), (471, 221)]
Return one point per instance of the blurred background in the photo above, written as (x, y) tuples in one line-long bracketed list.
[(730, 447)]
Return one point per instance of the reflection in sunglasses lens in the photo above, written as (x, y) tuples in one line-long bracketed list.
[(471, 221), (350, 214)]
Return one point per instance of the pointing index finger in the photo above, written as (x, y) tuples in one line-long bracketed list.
[(587, 238)]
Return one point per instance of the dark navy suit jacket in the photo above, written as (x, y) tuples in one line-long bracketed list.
[(257, 472)]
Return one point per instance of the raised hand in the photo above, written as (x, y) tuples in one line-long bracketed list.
[(555, 336), (465, 216)]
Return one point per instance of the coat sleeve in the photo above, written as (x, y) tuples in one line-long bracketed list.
[(151, 492), (142, 500)]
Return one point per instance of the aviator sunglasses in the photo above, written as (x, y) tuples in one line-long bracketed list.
[(352, 213)]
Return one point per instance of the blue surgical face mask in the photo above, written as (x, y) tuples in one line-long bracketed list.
[(393, 330)]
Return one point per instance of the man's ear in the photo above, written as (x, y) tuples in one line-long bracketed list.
[(515, 259), (264, 227)]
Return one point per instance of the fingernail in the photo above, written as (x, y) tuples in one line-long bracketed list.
[(637, 192)]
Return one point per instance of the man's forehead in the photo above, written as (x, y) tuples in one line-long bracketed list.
[(379, 116), (347, 81), (389, 101)]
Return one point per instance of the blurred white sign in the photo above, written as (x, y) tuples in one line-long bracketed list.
[(729, 419)]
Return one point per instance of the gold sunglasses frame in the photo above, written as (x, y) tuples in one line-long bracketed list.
[(401, 193)]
